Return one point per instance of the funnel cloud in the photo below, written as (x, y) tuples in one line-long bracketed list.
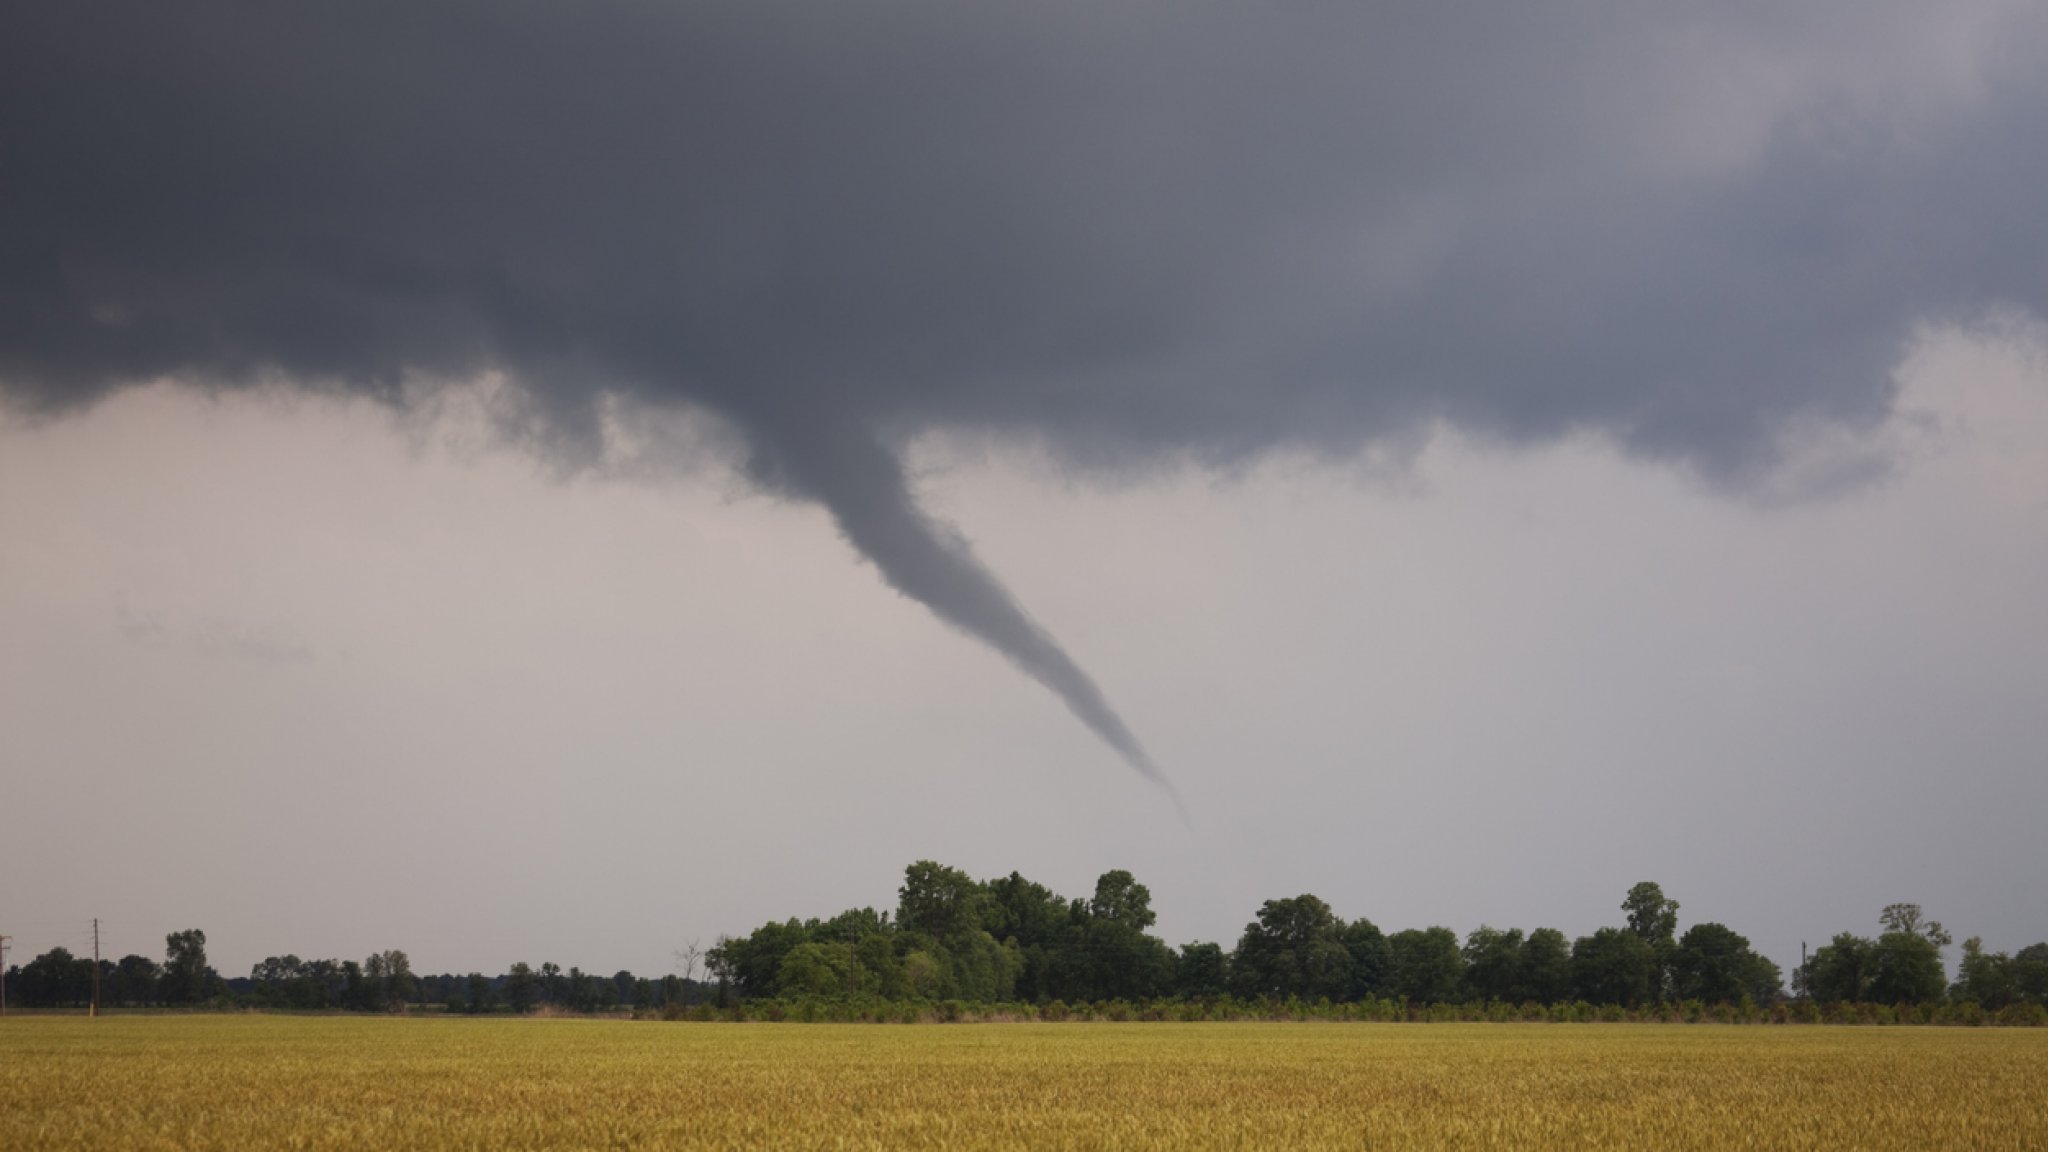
[(1132, 235), (862, 484)]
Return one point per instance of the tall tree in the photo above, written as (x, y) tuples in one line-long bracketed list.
[(1546, 975), (1907, 918), (1653, 917), (938, 901), (185, 971), (1294, 948)]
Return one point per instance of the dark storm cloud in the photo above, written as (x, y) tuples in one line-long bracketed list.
[(1124, 230)]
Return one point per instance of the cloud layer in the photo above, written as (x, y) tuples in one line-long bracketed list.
[(1127, 232)]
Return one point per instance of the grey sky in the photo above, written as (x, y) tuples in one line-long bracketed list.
[(1609, 308)]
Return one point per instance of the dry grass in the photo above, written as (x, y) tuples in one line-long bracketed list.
[(280, 1082)]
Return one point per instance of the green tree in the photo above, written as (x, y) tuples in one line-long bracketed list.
[(1546, 975), (401, 986), (1907, 918), (135, 980), (1295, 948), (1654, 919), (1201, 971), (1715, 963), (752, 963), (1907, 969), (1427, 966), (185, 972), (1614, 966), (1984, 978), (2030, 973), (814, 969), (1839, 971), (1372, 958), (938, 901), (522, 988), (1124, 963), (1493, 963), (1121, 900)]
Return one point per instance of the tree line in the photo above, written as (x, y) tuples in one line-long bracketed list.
[(952, 939), (382, 982)]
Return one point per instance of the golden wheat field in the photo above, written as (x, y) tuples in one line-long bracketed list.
[(284, 1082)]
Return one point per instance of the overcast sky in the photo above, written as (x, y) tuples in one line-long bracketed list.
[(545, 482)]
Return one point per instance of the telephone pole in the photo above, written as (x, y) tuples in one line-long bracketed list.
[(3, 974), (95, 967)]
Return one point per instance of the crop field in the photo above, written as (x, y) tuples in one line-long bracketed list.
[(300, 1082)]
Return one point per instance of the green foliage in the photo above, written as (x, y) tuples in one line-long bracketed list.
[(1546, 962), (939, 902), (185, 972), (1372, 958), (1493, 963), (1615, 966), (1714, 963), (1295, 948), (1839, 971), (1427, 966), (1907, 969), (1201, 971)]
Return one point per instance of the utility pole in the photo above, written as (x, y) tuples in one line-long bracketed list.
[(3, 974), (95, 967)]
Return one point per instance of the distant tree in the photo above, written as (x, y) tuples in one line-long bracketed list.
[(135, 980), (1907, 969), (522, 988), (688, 957), (1125, 963), (925, 976), (813, 969), (752, 963), (550, 981), (1908, 919), (1121, 900), (938, 901), (1546, 969), (2030, 973), (1984, 978), (1651, 916), (1201, 971), (54, 978), (1654, 919), (185, 972), (1372, 958), (876, 967), (401, 986), (1294, 948), (1714, 963), (1427, 966), (1614, 966), (1493, 963), (1046, 930), (1840, 970), (479, 997)]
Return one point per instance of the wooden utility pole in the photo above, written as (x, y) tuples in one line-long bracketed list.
[(95, 967), (3, 974)]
